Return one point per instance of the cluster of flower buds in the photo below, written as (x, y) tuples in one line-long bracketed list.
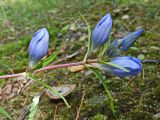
[(38, 46), (100, 36), (122, 45)]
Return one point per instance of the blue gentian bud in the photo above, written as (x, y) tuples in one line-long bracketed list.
[(128, 40), (38, 46), (102, 31), (112, 50), (133, 65)]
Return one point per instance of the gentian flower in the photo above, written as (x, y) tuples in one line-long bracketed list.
[(133, 65), (38, 46), (102, 31), (128, 40)]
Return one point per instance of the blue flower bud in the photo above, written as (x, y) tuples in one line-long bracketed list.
[(102, 31), (112, 50), (38, 46), (128, 41), (133, 65)]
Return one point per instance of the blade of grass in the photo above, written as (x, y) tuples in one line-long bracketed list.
[(48, 87), (100, 77), (33, 107), (89, 37)]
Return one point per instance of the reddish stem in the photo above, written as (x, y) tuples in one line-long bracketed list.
[(52, 67)]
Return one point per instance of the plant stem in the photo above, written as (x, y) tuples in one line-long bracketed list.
[(52, 67), (11, 76), (66, 65)]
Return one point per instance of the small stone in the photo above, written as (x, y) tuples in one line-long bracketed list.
[(126, 9), (141, 57), (125, 17), (157, 116), (73, 27), (84, 37), (139, 27), (116, 10)]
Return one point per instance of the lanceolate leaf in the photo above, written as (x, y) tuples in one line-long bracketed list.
[(89, 36), (114, 65), (100, 77), (50, 59), (48, 87)]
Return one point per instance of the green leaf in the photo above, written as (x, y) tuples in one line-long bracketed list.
[(89, 37), (4, 113), (33, 107), (65, 29), (48, 87), (104, 48), (115, 65), (100, 77), (50, 59)]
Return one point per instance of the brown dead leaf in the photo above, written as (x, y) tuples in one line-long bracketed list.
[(7, 89), (76, 68), (12, 88), (64, 90)]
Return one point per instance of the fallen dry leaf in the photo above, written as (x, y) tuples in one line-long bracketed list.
[(64, 90), (76, 68)]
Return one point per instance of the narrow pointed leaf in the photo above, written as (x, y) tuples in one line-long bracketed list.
[(50, 59), (48, 87), (114, 65), (89, 36), (100, 77)]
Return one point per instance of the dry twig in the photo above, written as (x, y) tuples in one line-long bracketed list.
[(78, 110)]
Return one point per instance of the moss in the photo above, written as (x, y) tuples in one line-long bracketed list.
[(156, 92), (140, 115)]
